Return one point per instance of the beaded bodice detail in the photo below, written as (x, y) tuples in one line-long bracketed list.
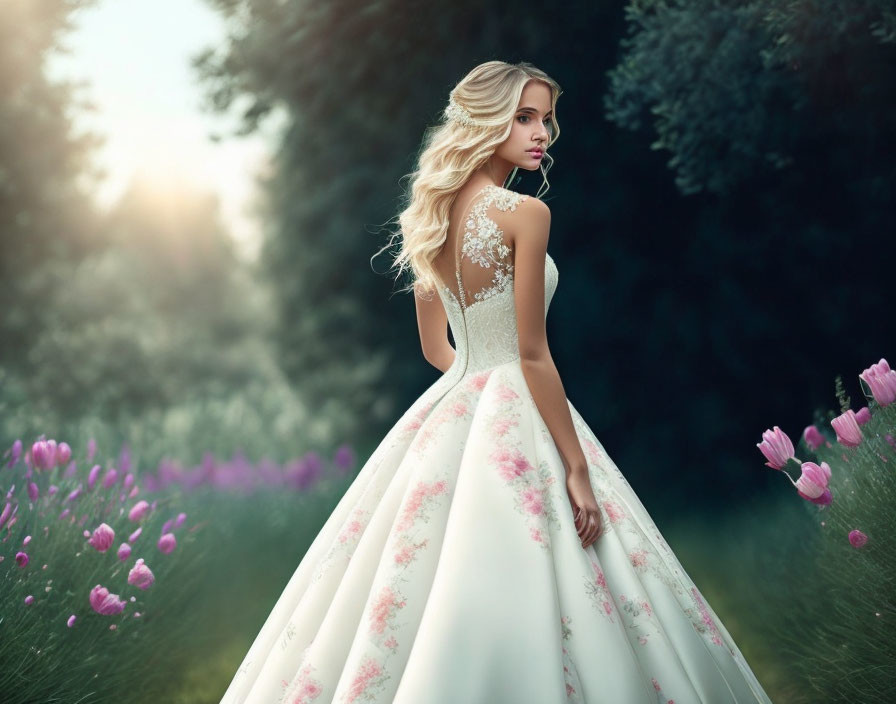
[(482, 312)]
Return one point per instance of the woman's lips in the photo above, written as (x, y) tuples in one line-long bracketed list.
[(536, 153)]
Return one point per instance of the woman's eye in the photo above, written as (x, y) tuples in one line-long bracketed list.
[(547, 120)]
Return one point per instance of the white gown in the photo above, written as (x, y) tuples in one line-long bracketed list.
[(451, 573)]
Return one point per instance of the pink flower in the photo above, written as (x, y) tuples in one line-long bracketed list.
[(776, 447), (532, 500), (813, 437), (102, 538), (813, 480), (141, 576), (136, 534), (881, 380), (614, 511), (179, 521), (71, 621), (847, 428), (63, 453), (4, 516), (857, 538), (21, 559), (29, 600), (124, 552), (40, 455), (863, 415), (167, 543), (105, 603), (138, 511), (33, 491)]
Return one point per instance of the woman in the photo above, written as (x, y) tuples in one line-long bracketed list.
[(489, 551)]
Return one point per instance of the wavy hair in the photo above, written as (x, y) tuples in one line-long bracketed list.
[(451, 151)]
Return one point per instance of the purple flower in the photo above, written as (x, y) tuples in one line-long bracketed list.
[(92, 476), (102, 538), (776, 447), (40, 456), (344, 457), (15, 453), (33, 491), (863, 415), (141, 576), (857, 538), (179, 521), (76, 493), (29, 600), (813, 437), (138, 511), (5, 514), (847, 428), (105, 603), (21, 559), (26, 540), (110, 478), (167, 543), (136, 534), (71, 621), (124, 552)]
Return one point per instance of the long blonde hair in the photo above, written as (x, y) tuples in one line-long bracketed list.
[(451, 151)]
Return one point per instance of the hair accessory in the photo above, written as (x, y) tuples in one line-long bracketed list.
[(457, 112)]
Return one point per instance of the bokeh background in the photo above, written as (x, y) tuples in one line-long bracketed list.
[(192, 193)]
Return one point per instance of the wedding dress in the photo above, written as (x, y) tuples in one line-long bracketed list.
[(451, 572)]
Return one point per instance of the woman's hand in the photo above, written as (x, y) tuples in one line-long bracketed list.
[(585, 510)]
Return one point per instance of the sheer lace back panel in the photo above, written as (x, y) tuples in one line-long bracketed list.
[(480, 304)]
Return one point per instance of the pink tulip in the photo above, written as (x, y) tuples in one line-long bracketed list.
[(138, 511), (124, 552), (136, 534), (863, 415), (63, 453), (847, 428), (26, 540), (102, 538), (71, 621), (776, 447), (881, 381), (141, 576), (40, 455), (21, 559), (105, 603), (813, 437), (857, 538), (813, 480), (167, 543), (33, 491)]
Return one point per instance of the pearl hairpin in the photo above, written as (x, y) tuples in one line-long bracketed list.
[(458, 113)]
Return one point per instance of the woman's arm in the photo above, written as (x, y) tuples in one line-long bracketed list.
[(432, 324), (531, 227)]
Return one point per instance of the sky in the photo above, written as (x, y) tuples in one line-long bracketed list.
[(135, 58)]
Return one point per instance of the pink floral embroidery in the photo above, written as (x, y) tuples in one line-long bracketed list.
[(384, 608), (505, 393), (661, 698), (369, 673), (391, 643), (600, 595), (707, 619), (592, 450), (417, 503), (408, 551), (501, 426), (570, 676), (304, 688), (614, 511), (417, 420), (510, 464), (530, 484), (353, 527), (638, 558), (477, 381)]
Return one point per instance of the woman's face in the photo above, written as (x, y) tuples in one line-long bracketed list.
[(530, 134)]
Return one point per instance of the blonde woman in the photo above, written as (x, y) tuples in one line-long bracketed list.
[(489, 551)]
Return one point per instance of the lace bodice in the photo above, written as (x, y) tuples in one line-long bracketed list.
[(482, 311)]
